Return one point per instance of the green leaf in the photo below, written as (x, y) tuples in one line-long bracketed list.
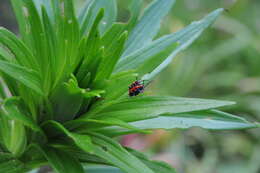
[(36, 32), (93, 51), (61, 161), (93, 125), (90, 11), (85, 82), (138, 108), (71, 34), (213, 120), (135, 9), (156, 166), (5, 55), (113, 43), (84, 12), (22, 54), (110, 16), (145, 60), (82, 141), (80, 154), (13, 134), (92, 93), (67, 101), (40, 4), (115, 154), (68, 34), (4, 89), (51, 48), (5, 131), (12, 166), (5, 157), (17, 139), (183, 37), (112, 55), (148, 26), (21, 12), (209, 119), (26, 76), (157, 55), (153, 62), (11, 110), (111, 36), (86, 17)]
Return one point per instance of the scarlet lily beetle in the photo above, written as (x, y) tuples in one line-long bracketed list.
[(136, 88)]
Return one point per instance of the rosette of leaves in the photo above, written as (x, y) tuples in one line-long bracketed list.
[(64, 86)]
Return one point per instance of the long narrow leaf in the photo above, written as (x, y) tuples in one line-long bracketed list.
[(4, 54), (80, 154), (38, 40), (90, 12), (26, 76), (138, 108), (115, 154), (61, 161), (11, 110), (21, 13), (12, 166), (4, 156), (82, 141), (215, 120), (135, 9), (22, 54), (184, 37), (92, 49), (93, 125), (111, 57), (66, 101), (148, 26), (145, 60), (210, 119), (17, 141)]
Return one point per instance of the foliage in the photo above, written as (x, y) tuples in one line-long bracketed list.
[(64, 86), (223, 64)]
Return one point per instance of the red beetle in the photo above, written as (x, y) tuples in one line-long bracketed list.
[(136, 88)]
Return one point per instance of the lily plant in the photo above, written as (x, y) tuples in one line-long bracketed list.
[(64, 86)]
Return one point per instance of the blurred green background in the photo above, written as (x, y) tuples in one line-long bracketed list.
[(224, 63)]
